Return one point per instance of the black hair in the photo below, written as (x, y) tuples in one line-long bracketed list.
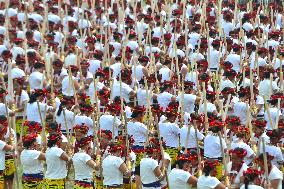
[(53, 126), (164, 87), (51, 143), (33, 97), (215, 129), (3, 118), (38, 65), (27, 144), (207, 168), (249, 178), (180, 163), (266, 75)]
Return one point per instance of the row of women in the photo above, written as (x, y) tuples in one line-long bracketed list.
[(112, 163)]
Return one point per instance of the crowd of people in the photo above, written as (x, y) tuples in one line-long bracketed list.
[(124, 94)]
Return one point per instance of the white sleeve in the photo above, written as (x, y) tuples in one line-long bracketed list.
[(118, 162), (184, 177), (214, 182), (143, 129), (200, 136), (154, 165), (35, 154), (59, 152), (127, 89), (2, 145), (86, 158), (176, 129)]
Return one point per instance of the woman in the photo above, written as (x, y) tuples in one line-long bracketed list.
[(85, 118), (275, 176), (241, 135), (130, 162), (33, 110), (170, 132), (139, 131), (3, 149), (236, 167), (56, 160), (179, 177), (104, 138), (83, 164), (251, 179), (65, 108), (31, 161), (151, 174), (114, 168), (54, 127), (208, 180)]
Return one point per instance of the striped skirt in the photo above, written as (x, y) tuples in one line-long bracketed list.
[(32, 181), (54, 183), (83, 184)]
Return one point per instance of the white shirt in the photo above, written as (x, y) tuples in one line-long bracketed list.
[(3, 109), (240, 110), (178, 179), (147, 167), (188, 101), (276, 152), (94, 66), (33, 111), (83, 172), (142, 96), (107, 122), (31, 163), (35, 80), (139, 72), (274, 113), (56, 167), (210, 108), (67, 86), (214, 58), (191, 137), (265, 86), (138, 131), (125, 90), (69, 115), (235, 59), (111, 172), (2, 155), (276, 174), (164, 99), (170, 133), (165, 72), (207, 182), (212, 147)]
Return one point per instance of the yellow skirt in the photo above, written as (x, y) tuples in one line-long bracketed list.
[(219, 170), (99, 183), (1, 180), (32, 184), (128, 186), (173, 153), (54, 183), (19, 123), (9, 167)]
